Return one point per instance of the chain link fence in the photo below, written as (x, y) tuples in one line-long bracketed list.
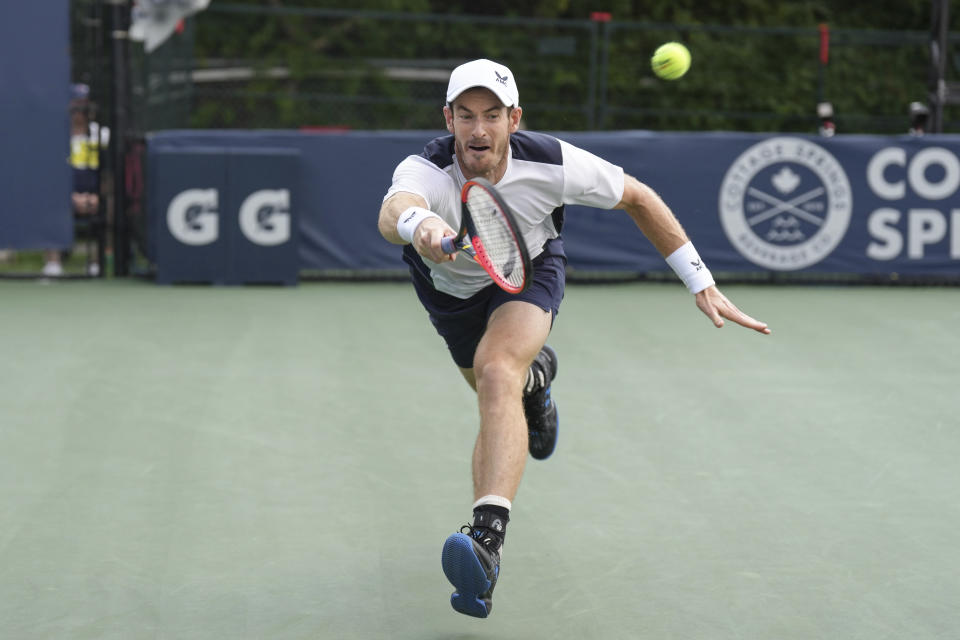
[(370, 70), (244, 66), (767, 79)]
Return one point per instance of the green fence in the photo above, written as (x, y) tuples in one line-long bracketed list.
[(243, 66)]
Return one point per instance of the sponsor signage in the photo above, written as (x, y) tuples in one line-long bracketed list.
[(224, 216), (789, 203), (783, 203)]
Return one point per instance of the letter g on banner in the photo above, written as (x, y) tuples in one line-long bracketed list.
[(265, 217), (192, 216)]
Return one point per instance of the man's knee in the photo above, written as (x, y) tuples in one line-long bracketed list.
[(497, 375)]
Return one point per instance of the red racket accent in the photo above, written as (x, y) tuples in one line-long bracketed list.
[(495, 236)]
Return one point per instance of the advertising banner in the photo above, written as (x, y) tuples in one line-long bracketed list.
[(859, 205), (849, 205), (224, 215)]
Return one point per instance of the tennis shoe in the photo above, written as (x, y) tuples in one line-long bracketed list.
[(471, 562), (540, 409)]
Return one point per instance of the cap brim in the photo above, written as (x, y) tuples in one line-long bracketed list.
[(503, 96)]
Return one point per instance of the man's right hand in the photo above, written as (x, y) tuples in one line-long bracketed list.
[(427, 237)]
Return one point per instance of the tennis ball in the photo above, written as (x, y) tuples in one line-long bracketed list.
[(670, 61)]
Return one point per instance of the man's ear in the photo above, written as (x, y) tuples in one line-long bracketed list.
[(515, 114), (448, 116)]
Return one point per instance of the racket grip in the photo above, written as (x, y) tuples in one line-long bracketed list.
[(447, 245)]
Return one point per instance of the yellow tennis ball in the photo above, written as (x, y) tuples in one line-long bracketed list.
[(670, 61)]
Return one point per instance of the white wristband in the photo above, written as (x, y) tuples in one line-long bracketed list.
[(688, 265), (410, 219)]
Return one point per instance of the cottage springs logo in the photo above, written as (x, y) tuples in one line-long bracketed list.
[(785, 203)]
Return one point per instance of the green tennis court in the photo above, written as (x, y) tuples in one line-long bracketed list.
[(195, 462)]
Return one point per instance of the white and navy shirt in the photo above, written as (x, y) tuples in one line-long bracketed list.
[(543, 174)]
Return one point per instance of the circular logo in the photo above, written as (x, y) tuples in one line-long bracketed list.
[(785, 203)]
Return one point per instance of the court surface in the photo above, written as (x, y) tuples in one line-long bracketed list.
[(197, 462)]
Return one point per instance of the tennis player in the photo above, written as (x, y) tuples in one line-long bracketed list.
[(498, 339)]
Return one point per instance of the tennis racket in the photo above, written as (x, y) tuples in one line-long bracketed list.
[(495, 241)]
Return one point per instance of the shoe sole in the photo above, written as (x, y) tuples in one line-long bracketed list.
[(465, 572)]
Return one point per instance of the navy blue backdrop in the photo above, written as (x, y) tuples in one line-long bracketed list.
[(751, 202), (35, 85)]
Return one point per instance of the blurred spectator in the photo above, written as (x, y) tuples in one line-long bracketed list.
[(919, 114), (87, 138), (825, 113)]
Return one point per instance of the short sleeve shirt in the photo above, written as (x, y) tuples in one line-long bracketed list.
[(543, 174)]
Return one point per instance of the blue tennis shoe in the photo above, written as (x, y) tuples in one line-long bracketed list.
[(471, 562), (540, 409)]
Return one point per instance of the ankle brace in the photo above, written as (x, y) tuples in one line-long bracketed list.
[(493, 519)]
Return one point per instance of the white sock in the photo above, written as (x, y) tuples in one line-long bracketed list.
[(535, 378), (499, 501)]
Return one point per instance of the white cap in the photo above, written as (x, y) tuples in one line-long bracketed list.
[(487, 74)]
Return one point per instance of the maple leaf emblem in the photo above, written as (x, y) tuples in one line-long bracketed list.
[(785, 180)]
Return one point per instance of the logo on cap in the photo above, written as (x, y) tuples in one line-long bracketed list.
[(501, 79)]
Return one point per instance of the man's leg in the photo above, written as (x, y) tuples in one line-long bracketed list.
[(515, 333), (538, 407)]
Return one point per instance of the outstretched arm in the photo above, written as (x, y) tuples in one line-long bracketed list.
[(661, 227)]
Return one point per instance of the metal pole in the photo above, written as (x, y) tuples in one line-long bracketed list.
[(824, 58), (119, 23), (604, 70), (96, 26), (592, 85), (940, 11)]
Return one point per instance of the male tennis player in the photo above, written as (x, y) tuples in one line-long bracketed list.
[(498, 339)]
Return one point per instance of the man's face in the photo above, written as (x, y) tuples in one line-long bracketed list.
[(481, 127), (78, 116)]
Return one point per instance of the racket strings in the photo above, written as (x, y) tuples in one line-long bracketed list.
[(498, 239)]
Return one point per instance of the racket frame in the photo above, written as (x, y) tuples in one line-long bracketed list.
[(476, 249)]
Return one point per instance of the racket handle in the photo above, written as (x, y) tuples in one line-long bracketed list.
[(447, 245)]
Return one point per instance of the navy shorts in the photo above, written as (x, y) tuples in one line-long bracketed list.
[(461, 323)]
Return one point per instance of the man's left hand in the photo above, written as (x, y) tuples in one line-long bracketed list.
[(716, 307)]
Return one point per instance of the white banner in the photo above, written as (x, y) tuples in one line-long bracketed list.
[(153, 21)]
